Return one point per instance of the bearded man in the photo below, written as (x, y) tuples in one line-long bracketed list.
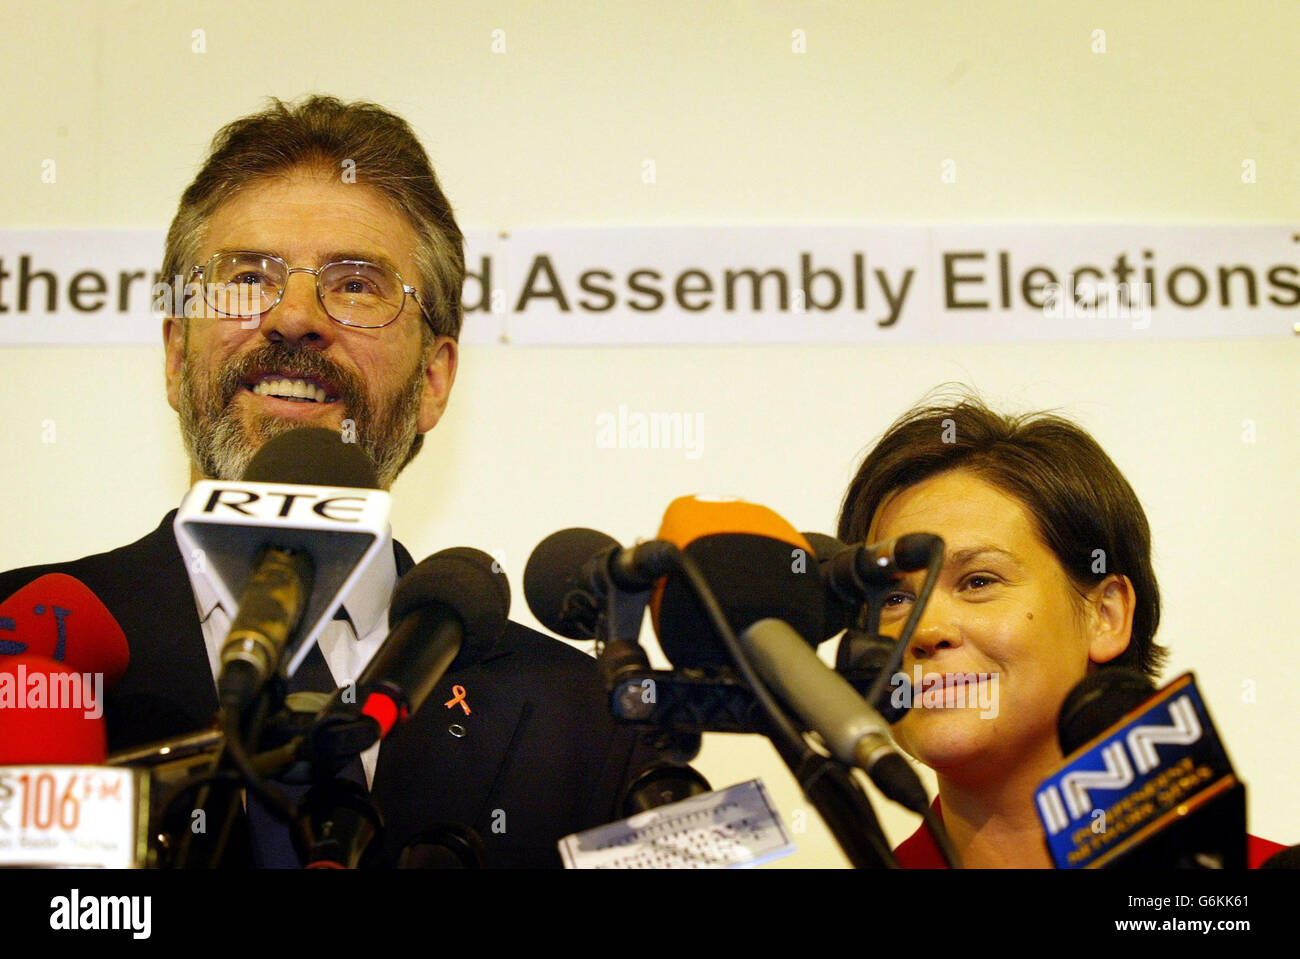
[(322, 266)]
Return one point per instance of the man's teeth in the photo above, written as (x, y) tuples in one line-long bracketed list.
[(290, 389)]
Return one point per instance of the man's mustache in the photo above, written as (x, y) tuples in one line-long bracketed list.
[(304, 364)]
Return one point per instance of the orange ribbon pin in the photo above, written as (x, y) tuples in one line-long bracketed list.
[(459, 697)]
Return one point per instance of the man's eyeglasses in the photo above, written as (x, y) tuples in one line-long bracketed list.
[(352, 292)]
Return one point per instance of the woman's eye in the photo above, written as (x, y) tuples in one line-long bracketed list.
[(896, 599), (977, 581)]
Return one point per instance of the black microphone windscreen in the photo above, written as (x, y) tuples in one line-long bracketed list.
[(912, 551), (554, 576), (753, 578), (312, 456), (1099, 701), (824, 546), (462, 579), (839, 611)]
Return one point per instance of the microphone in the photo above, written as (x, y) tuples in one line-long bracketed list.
[(448, 609), (336, 824), (444, 846), (756, 564), (854, 733), (59, 617), (282, 546), (49, 714), (1146, 782), (570, 573), (661, 784), (854, 572), (1097, 702)]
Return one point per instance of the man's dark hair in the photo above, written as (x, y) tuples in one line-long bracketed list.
[(1076, 495), (360, 138)]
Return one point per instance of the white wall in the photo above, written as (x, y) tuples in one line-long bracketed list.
[(553, 132)]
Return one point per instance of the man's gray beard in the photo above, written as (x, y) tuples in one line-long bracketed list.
[(219, 449)]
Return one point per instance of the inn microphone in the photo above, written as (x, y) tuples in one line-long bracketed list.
[(1146, 782)]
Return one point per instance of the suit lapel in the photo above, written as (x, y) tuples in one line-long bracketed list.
[(168, 687)]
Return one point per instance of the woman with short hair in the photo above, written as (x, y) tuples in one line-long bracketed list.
[(1047, 576)]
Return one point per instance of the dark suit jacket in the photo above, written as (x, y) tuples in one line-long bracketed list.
[(540, 757)]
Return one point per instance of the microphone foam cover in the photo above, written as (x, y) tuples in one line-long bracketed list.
[(912, 551), (43, 714), (1099, 701), (57, 610), (312, 456), (746, 553), (839, 612), (463, 580), (555, 570), (823, 546)]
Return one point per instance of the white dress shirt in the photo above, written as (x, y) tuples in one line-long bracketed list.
[(346, 644)]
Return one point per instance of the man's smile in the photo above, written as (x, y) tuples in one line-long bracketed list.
[(294, 389)]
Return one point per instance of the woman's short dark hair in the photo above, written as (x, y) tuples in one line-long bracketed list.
[(1085, 511)]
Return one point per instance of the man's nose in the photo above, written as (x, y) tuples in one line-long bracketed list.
[(299, 319)]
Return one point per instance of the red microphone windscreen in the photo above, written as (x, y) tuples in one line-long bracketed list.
[(50, 714), (58, 616)]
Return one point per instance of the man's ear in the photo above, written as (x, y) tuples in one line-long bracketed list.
[(439, 375), (173, 331), (1110, 612)]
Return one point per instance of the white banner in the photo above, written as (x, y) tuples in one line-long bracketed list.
[(753, 284)]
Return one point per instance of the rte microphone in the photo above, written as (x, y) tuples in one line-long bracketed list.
[(570, 574), (1146, 782), (854, 733), (282, 546), (59, 617), (450, 608), (757, 566)]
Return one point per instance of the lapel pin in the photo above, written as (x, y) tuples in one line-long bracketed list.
[(458, 696)]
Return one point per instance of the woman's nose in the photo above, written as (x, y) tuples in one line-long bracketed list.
[(934, 632)]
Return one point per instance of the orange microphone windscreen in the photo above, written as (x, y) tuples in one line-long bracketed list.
[(758, 566)]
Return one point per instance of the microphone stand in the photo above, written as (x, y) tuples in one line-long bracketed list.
[(832, 790)]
